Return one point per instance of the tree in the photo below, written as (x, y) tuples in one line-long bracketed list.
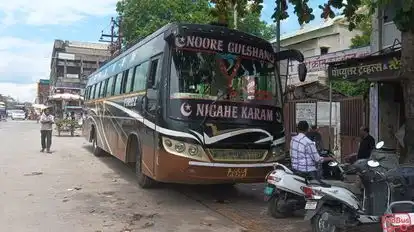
[(229, 11), (142, 17), (365, 25), (404, 20), (252, 24)]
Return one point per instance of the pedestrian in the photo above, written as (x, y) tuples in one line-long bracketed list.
[(305, 158), (366, 146), (316, 137), (46, 124)]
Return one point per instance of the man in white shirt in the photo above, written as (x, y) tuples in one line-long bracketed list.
[(46, 126), (303, 153)]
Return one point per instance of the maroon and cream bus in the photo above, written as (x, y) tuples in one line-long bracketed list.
[(195, 104)]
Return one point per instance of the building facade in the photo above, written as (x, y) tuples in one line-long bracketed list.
[(386, 100), (320, 45), (72, 62), (42, 91)]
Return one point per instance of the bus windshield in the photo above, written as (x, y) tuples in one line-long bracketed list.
[(207, 75)]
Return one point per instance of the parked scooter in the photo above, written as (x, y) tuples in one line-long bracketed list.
[(337, 206), (283, 189)]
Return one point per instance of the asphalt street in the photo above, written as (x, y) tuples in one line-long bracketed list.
[(71, 190)]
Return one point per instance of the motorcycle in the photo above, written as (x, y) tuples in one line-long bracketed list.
[(283, 187), (334, 207)]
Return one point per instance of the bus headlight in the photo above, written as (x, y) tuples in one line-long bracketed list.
[(179, 147), (184, 149), (277, 153), (192, 150)]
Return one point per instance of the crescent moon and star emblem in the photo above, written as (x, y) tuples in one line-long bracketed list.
[(186, 109), (180, 41), (278, 116)]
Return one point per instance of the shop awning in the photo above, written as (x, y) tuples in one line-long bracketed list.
[(66, 96), (374, 67)]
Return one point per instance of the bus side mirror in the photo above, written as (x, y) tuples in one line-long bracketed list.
[(302, 72)]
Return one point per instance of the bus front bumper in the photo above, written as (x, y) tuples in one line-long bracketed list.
[(181, 170)]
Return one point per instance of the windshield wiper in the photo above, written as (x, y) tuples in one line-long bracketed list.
[(224, 93)]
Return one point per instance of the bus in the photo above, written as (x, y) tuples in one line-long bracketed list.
[(190, 103)]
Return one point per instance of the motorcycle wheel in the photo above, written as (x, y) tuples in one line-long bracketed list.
[(320, 221), (276, 208)]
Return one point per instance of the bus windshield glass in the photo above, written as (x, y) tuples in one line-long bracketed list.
[(206, 75)]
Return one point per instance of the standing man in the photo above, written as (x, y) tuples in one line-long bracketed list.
[(366, 146), (304, 155), (46, 126), (316, 137)]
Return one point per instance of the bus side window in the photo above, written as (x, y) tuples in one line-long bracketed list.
[(88, 94), (124, 81), (118, 84), (98, 87), (128, 82), (140, 77), (151, 83), (101, 86), (110, 87), (104, 92), (92, 95)]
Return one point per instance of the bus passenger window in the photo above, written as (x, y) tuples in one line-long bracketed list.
[(104, 86), (110, 86), (153, 74), (102, 92), (92, 95), (118, 84), (98, 87), (140, 76), (101, 86), (128, 81), (124, 81)]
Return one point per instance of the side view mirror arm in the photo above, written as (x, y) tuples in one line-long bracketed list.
[(291, 54)]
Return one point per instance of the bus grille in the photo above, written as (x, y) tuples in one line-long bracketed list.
[(237, 154)]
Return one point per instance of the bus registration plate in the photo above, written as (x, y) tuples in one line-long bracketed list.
[(237, 172)]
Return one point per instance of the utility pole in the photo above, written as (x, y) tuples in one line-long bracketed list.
[(279, 7), (115, 36), (235, 15)]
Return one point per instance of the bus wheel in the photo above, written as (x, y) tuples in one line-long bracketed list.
[(97, 151), (143, 180)]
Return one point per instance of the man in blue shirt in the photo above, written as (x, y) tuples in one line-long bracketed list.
[(304, 155)]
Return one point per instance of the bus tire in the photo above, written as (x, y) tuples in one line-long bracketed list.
[(134, 148), (97, 151)]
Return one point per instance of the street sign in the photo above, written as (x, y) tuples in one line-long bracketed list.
[(372, 67)]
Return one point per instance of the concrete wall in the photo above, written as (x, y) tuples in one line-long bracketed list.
[(73, 61)]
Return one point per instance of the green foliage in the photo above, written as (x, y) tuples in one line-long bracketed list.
[(365, 25), (404, 19), (143, 17), (352, 89), (252, 24)]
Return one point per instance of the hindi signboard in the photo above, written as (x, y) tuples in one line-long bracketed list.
[(386, 65), (320, 63)]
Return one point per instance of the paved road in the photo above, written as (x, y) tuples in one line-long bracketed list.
[(72, 190)]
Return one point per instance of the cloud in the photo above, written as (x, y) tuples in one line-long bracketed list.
[(23, 63), (21, 92), (46, 12)]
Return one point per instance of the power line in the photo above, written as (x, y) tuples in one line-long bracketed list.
[(114, 38)]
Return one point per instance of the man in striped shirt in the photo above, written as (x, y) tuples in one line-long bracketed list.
[(303, 153)]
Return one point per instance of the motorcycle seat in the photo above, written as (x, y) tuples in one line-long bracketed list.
[(349, 186)]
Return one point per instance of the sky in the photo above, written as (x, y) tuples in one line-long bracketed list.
[(28, 29)]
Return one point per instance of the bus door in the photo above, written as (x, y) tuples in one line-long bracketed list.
[(151, 112)]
